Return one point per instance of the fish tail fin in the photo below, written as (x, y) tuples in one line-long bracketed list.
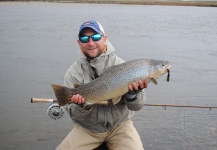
[(62, 94)]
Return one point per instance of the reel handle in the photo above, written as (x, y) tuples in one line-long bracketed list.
[(42, 100)]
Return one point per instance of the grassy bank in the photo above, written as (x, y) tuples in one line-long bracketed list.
[(137, 2)]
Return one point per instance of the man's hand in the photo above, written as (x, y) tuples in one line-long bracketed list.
[(77, 99), (134, 86), (134, 89)]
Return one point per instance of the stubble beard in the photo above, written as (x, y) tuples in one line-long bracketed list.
[(99, 52)]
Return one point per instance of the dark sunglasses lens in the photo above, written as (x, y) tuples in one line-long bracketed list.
[(96, 37), (84, 39)]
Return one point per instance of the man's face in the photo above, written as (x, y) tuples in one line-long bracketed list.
[(92, 49)]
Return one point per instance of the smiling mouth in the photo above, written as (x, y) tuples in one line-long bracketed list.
[(91, 49)]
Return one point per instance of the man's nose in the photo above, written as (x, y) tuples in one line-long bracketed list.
[(91, 42)]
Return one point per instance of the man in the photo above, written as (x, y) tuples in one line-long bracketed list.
[(100, 123)]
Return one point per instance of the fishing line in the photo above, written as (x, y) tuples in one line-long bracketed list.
[(192, 138), (183, 126)]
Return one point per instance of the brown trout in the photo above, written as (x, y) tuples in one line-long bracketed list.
[(115, 81)]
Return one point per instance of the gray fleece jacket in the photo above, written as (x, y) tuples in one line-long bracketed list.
[(99, 118)]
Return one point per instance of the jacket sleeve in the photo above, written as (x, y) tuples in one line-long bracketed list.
[(138, 103), (75, 111), (69, 77)]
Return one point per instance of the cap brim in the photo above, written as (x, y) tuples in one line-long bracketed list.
[(96, 30)]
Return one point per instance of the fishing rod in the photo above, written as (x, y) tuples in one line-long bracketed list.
[(173, 105), (55, 111), (41, 100)]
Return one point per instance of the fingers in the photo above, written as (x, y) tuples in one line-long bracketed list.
[(145, 84), (141, 85), (78, 99), (133, 86)]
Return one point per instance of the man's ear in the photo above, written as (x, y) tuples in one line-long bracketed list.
[(105, 38), (79, 43)]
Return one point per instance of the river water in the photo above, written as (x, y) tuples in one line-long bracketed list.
[(38, 44)]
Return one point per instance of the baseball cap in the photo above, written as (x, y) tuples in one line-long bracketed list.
[(96, 26)]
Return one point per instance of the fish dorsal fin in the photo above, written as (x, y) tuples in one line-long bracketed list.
[(112, 68), (153, 80), (116, 100), (75, 85)]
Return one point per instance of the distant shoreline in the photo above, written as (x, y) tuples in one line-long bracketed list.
[(149, 2), (130, 2)]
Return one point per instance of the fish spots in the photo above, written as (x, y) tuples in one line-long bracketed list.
[(115, 80)]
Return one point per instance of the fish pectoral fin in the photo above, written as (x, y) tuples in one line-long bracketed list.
[(87, 105), (116, 100), (153, 80)]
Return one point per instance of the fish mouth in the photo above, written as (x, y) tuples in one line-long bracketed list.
[(169, 66), (166, 64)]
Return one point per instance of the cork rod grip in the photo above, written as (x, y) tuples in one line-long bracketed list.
[(42, 100)]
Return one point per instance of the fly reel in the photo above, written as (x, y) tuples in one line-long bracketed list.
[(54, 111)]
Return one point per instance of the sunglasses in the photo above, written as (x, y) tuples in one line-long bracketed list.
[(94, 37)]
